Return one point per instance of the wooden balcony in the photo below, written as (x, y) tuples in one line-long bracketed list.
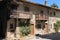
[(41, 17), (19, 14)]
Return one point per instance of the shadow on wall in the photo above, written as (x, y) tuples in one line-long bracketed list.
[(52, 36)]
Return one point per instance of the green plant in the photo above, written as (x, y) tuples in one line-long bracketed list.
[(24, 27), (54, 5), (57, 26), (24, 31)]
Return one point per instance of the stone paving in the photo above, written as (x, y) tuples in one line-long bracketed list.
[(52, 36)]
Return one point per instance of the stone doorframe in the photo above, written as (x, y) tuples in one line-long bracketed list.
[(9, 34), (11, 21)]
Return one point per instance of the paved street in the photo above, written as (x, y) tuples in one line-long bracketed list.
[(33, 38), (38, 39), (53, 36)]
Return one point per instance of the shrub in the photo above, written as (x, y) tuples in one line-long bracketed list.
[(24, 31), (57, 26)]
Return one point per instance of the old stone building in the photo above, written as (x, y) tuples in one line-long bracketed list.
[(40, 18)]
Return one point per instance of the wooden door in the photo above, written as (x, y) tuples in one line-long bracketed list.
[(46, 28), (32, 29)]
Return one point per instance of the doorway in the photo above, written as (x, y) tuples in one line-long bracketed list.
[(32, 29), (24, 25)]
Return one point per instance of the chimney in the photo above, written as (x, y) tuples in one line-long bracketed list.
[(45, 3)]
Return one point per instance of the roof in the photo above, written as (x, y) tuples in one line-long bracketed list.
[(41, 5)]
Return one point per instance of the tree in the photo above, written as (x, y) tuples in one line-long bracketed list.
[(5, 10), (54, 5)]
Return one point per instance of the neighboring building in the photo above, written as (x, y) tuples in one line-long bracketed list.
[(40, 17)]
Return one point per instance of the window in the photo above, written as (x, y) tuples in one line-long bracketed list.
[(11, 28), (47, 12), (50, 13), (13, 6), (41, 12), (26, 8), (18, 0), (38, 26), (54, 14)]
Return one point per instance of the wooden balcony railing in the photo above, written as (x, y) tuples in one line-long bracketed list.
[(21, 14), (41, 17)]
